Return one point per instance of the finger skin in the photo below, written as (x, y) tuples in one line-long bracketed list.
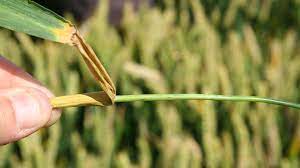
[(24, 104), (23, 111)]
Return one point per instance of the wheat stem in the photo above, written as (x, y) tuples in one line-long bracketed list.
[(95, 99)]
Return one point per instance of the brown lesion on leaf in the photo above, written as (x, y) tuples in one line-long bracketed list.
[(65, 34), (87, 99), (70, 35), (95, 66)]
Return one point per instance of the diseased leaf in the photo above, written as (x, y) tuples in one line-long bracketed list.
[(31, 18)]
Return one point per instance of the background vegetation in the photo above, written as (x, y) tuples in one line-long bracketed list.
[(226, 47)]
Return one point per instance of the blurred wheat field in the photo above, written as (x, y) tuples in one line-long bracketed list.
[(234, 47)]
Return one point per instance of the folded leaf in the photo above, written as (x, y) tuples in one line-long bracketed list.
[(31, 18)]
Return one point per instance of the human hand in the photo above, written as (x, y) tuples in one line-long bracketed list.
[(24, 104)]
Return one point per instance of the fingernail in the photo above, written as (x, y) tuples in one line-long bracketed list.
[(55, 115), (32, 108)]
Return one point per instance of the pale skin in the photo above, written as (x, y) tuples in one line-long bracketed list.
[(24, 104)]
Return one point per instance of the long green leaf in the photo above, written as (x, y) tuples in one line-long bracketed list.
[(31, 18)]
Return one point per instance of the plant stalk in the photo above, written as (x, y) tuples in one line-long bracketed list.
[(95, 99)]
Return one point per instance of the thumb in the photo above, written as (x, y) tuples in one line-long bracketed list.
[(23, 111)]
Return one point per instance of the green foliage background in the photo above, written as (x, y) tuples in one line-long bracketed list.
[(226, 47)]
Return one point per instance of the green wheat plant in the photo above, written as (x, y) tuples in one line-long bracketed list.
[(229, 48), (41, 22)]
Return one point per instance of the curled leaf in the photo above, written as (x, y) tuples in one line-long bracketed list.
[(31, 18)]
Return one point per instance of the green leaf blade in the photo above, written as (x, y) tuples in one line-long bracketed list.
[(31, 18)]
